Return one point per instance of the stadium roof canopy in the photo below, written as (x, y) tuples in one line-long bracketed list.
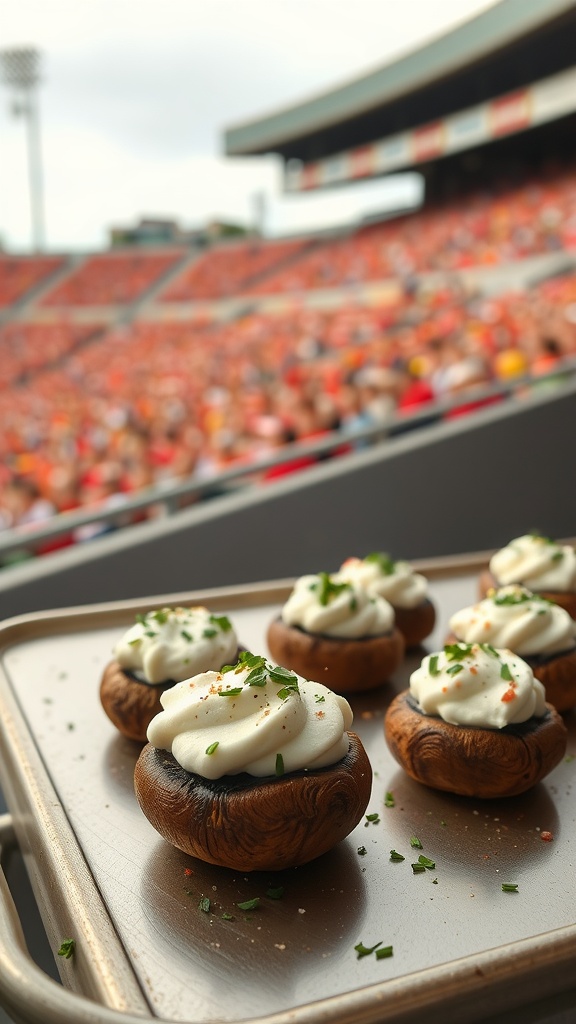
[(509, 46)]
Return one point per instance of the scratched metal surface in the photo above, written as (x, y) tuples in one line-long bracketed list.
[(292, 951)]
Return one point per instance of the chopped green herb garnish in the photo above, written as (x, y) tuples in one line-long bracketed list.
[(363, 950), (383, 561), (150, 632), (396, 856), (509, 887), (286, 692), (327, 589), (418, 869), (278, 674), (431, 864), (275, 893), (433, 665), (279, 769), (251, 661), (67, 948), (212, 747), (161, 616), (227, 917), (361, 851), (557, 556), (415, 843), (454, 669), (141, 619), (455, 651), (132, 643), (204, 905), (515, 597), (319, 699), (222, 621), (259, 671), (371, 819), (233, 692), (384, 952), (488, 649), (505, 673), (209, 633), (186, 636), (249, 904), (248, 660), (389, 800), (257, 677)]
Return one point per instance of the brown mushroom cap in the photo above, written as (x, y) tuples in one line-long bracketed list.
[(251, 824), (346, 666), (417, 623), (565, 598), (486, 763), (558, 677), (130, 704)]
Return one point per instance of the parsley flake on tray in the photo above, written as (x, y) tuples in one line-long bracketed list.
[(382, 952), (249, 904)]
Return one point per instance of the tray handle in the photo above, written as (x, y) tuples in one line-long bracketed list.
[(27, 994)]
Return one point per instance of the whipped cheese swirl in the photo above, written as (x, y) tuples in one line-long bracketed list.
[(176, 643), (333, 607), (257, 718), (395, 581), (539, 563), (478, 685), (513, 617)]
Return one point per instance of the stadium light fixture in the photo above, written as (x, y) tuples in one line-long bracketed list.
[(20, 71)]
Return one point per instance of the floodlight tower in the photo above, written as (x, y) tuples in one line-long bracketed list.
[(20, 70)]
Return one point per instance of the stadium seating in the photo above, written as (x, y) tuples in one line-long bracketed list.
[(18, 275), (111, 279), (231, 269)]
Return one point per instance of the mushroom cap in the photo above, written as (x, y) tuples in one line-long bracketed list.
[(346, 666), (417, 623), (471, 761), (251, 824), (129, 703)]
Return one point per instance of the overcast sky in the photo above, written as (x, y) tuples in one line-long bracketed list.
[(136, 94)]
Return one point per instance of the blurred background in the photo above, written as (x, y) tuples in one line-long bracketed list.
[(255, 244)]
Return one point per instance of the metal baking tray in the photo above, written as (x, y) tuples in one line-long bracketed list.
[(146, 948)]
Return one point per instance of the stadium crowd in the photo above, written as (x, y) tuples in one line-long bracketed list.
[(160, 402), (94, 413)]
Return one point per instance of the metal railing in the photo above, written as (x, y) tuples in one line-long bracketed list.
[(168, 500)]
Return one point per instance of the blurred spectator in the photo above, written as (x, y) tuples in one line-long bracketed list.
[(23, 504)]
